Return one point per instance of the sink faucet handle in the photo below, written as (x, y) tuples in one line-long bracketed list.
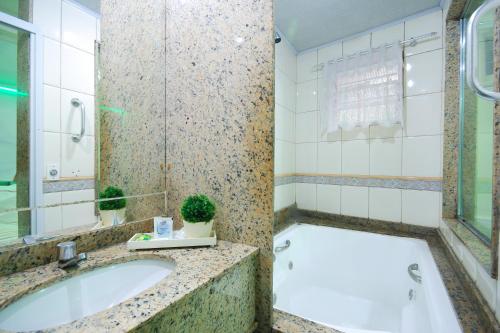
[(67, 250)]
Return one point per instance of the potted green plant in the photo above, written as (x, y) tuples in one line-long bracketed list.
[(112, 211), (198, 212)]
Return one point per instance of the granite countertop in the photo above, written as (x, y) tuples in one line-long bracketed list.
[(195, 267)]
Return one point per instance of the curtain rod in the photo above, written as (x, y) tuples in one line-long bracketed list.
[(413, 41)]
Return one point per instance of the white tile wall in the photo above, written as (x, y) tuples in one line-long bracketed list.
[(286, 59), (286, 95), (68, 73), (78, 214), (413, 150), (285, 124), (423, 115), (354, 201), (305, 63), (423, 24), (47, 15), (77, 160), (487, 286), (77, 70), (52, 149), (307, 130), (323, 136), (307, 96), (327, 53), (355, 134), (468, 260), (422, 156), (330, 157), (306, 157), (357, 44), (424, 73), (52, 108), (70, 116), (51, 62), (306, 196), (381, 132), (69, 34), (284, 196), (328, 198), (421, 207), (78, 28), (53, 215), (385, 204), (284, 155), (355, 157), (385, 157), (388, 35), (286, 90)]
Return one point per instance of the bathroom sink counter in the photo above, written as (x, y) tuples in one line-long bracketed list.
[(195, 268)]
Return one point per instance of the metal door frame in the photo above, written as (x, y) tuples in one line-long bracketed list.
[(36, 117)]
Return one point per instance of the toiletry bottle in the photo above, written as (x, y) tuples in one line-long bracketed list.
[(163, 227)]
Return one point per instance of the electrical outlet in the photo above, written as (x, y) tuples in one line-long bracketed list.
[(52, 171)]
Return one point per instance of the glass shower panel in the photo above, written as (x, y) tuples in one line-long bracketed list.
[(476, 137), (14, 132)]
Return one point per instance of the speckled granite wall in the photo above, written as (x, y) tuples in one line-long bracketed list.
[(451, 117), (131, 101), (455, 10), (22, 176), (225, 306), (220, 119), (451, 131)]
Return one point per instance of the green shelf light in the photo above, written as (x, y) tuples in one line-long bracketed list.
[(112, 109), (12, 91)]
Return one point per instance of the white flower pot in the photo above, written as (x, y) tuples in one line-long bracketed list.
[(198, 229), (112, 217)]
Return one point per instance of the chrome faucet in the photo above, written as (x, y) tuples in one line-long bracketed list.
[(413, 272), (283, 247), (68, 256)]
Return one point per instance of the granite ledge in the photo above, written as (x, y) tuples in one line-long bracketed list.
[(479, 250), (284, 322), (194, 269)]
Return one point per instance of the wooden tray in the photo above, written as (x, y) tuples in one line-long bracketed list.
[(177, 241)]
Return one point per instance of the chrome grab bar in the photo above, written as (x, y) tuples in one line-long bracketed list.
[(283, 247), (411, 271), (471, 47), (75, 102)]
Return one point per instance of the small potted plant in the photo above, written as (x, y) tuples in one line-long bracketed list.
[(112, 211), (198, 212)]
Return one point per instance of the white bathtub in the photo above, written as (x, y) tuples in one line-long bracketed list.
[(358, 282)]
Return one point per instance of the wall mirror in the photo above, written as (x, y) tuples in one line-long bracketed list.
[(62, 137)]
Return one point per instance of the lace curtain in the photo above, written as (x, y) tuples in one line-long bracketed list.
[(364, 90)]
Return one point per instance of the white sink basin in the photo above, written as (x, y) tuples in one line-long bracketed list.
[(83, 295)]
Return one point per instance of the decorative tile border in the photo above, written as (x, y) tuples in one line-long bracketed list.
[(420, 184), (64, 185)]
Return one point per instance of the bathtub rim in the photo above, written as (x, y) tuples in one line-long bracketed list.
[(429, 262)]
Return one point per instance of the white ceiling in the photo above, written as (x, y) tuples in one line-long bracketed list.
[(310, 23)]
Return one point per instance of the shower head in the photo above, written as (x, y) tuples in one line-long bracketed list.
[(277, 37)]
